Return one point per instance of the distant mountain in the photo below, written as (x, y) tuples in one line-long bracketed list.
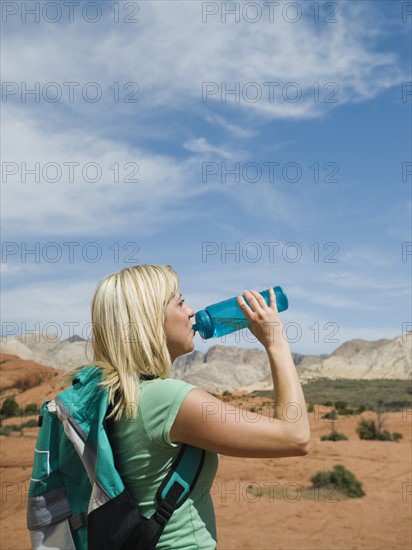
[(74, 338), (361, 359), (231, 368), (48, 350), (224, 367)]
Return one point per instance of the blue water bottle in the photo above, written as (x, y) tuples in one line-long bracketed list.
[(226, 317)]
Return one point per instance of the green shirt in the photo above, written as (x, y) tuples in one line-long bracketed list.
[(143, 454)]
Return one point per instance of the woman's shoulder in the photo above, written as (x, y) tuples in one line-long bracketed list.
[(168, 388), (159, 403), (167, 383)]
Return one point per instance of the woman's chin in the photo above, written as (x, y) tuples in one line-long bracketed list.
[(190, 347)]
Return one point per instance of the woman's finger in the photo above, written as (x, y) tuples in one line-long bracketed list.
[(249, 301), (259, 298), (272, 296), (252, 297), (242, 302)]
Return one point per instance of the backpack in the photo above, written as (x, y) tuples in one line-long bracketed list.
[(76, 498)]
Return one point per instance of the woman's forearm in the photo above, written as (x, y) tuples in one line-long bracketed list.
[(290, 405)]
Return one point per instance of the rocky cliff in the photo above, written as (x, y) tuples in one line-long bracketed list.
[(231, 368), (366, 360)]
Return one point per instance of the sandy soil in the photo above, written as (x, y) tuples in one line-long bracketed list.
[(380, 520), (263, 503)]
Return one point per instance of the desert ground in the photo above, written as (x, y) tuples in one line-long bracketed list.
[(260, 503)]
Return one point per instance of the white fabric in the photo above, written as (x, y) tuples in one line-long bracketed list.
[(53, 537)]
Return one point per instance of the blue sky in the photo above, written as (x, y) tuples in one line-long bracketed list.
[(316, 135)]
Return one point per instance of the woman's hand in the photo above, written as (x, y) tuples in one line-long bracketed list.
[(265, 323)]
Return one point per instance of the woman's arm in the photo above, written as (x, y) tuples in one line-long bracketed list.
[(207, 422)]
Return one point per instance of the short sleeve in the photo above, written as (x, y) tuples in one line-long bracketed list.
[(160, 401)]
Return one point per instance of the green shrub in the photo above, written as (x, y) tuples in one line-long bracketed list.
[(342, 408), (393, 393), (346, 411), (32, 408), (333, 436), (342, 479), (384, 436), (332, 415), (6, 430), (310, 408), (10, 408), (30, 424), (367, 429)]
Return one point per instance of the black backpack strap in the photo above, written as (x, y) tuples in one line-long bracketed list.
[(174, 491)]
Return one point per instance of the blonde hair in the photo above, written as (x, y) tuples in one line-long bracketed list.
[(128, 313)]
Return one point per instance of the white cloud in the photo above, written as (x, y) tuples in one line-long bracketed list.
[(201, 146), (45, 307), (366, 282), (148, 185), (233, 129), (171, 54)]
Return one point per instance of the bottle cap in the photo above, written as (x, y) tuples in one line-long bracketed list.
[(204, 324), (281, 299)]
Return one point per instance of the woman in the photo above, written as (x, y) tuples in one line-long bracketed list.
[(141, 324)]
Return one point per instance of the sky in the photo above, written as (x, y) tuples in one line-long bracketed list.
[(247, 144)]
